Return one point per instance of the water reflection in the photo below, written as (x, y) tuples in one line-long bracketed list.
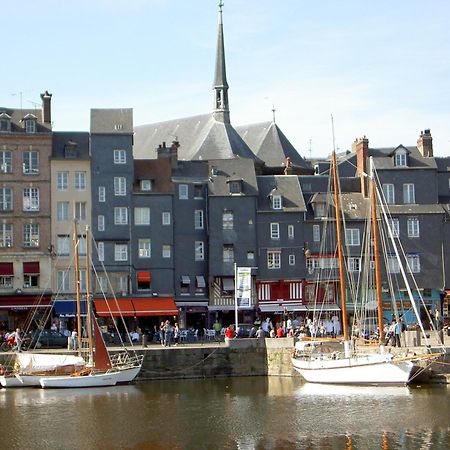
[(235, 413)]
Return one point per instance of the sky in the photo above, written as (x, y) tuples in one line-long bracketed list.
[(380, 69)]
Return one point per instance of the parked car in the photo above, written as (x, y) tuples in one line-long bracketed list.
[(47, 339)]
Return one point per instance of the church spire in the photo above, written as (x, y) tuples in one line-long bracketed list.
[(220, 86)]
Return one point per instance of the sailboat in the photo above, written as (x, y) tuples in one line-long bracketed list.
[(92, 367), (321, 361)]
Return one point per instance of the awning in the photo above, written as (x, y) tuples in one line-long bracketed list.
[(144, 277), (276, 307), (68, 308), (25, 301), (228, 284), (155, 307), (200, 281), (114, 307), (31, 268), (6, 269), (185, 279)]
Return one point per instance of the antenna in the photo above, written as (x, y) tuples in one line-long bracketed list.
[(332, 130), (273, 113), (310, 149), (19, 94), (36, 105)]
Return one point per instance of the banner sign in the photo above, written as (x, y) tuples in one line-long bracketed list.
[(244, 287)]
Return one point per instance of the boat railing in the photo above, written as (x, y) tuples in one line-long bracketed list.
[(126, 359)]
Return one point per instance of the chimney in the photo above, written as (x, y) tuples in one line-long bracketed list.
[(361, 148), (46, 108), (288, 167), (425, 143), (171, 152)]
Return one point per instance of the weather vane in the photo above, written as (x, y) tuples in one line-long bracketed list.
[(220, 5)]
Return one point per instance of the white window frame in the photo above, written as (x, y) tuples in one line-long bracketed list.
[(274, 230), (292, 259), (141, 215), (80, 181), (277, 202), (120, 156), (250, 255), (120, 252), (30, 162), (31, 236), (120, 215), (144, 248), (392, 264), (409, 195), (400, 159), (316, 233), (291, 231), (6, 235), (62, 211), (354, 264), (146, 185), (30, 126), (352, 237), (199, 251), (6, 199), (62, 181), (413, 227), (273, 259), (394, 224), (31, 199), (101, 251), (80, 211), (63, 245), (63, 280), (5, 161), (166, 251), (228, 253), (183, 191), (166, 218), (101, 194), (413, 262), (198, 219), (101, 222), (227, 220), (389, 193), (120, 186)]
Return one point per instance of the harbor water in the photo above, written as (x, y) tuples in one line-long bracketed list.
[(226, 413)]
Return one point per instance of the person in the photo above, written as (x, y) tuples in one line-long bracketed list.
[(390, 336), (260, 333), (397, 333), (217, 327), (161, 333), (272, 333), (288, 323), (176, 334), (252, 332), (74, 339), (229, 333), (18, 340), (168, 332), (280, 332)]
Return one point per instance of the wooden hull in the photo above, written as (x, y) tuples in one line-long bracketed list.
[(360, 369)]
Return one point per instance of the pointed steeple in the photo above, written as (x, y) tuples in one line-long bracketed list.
[(220, 86)]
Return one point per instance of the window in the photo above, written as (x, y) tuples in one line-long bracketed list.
[(185, 284), (101, 223), (183, 191), (120, 215), (62, 245), (123, 283), (80, 210), (392, 264), (146, 185), (30, 280), (63, 280), (6, 281), (5, 161), (62, 211), (394, 226), (276, 202), (295, 291), (292, 260), (228, 253), (408, 193), (30, 126), (101, 251), (316, 233), (198, 219), (82, 280), (144, 248), (291, 231), (400, 158), (120, 186), (413, 262), (227, 220), (142, 216), (31, 199), (6, 235), (413, 227), (101, 194), (198, 191), (6, 197), (199, 250), (250, 255), (352, 236), (30, 163), (275, 231), (200, 284), (166, 218), (31, 235), (166, 251), (82, 245), (62, 181), (273, 259), (235, 187), (5, 122), (143, 280), (80, 181), (354, 264), (320, 210), (120, 252), (102, 284), (120, 157), (389, 193)]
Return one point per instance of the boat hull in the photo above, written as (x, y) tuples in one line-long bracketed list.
[(9, 381), (82, 381), (370, 370)]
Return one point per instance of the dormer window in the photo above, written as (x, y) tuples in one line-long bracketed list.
[(400, 158), (276, 202), (146, 185), (70, 150), (5, 122), (319, 210), (30, 122), (235, 186)]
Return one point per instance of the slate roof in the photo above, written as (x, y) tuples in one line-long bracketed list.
[(62, 138), (416, 209), (112, 121), (269, 143), (16, 115), (191, 171), (384, 158), (223, 171), (443, 164), (287, 186)]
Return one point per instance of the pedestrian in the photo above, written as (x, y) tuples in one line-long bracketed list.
[(229, 333), (390, 336), (217, 327), (280, 332), (260, 333), (74, 339), (176, 334), (168, 333), (18, 340)]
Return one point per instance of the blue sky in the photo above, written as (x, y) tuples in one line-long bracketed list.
[(382, 69)]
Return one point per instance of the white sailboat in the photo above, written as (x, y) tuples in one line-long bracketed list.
[(92, 367), (319, 362)]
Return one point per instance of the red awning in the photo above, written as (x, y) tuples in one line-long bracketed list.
[(6, 269), (31, 268), (113, 307), (144, 277), (25, 301), (155, 307)]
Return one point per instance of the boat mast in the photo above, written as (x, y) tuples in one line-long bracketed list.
[(339, 247), (89, 298), (376, 252), (77, 284)]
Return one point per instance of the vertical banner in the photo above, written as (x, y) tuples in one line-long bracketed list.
[(244, 287)]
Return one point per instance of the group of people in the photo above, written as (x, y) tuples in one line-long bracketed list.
[(167, 334), (13, 339), (393, 332)]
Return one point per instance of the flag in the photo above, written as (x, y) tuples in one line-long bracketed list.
[(244, 287)]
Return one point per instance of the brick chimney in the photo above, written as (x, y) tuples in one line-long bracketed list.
[(425, 143), (361, 148), (169, 152), (288, 170), (46, 108)]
